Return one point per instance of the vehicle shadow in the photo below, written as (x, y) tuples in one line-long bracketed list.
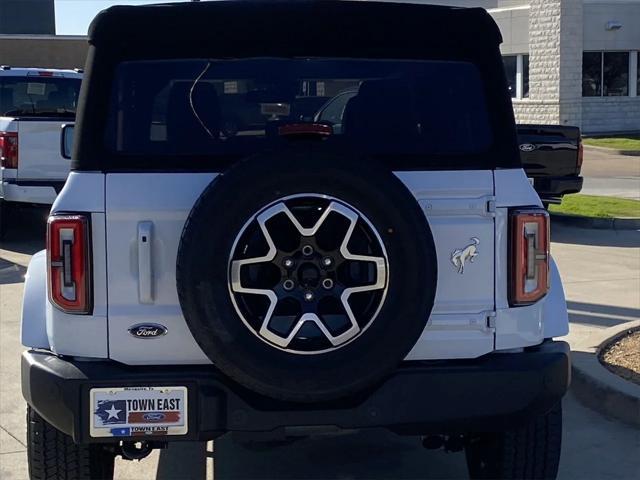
[(11, 272), (601, 315), (375, 454), (27, 231), (594, 237)]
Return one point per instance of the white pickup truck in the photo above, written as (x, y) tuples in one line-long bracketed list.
[(34, 104)]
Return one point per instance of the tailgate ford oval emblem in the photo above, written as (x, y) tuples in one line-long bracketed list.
[(527, 147), (148, 330)]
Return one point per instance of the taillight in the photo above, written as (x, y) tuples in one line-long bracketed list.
[(9, 149), (319, 129), (69, 263), (529, 256), (580, 154)]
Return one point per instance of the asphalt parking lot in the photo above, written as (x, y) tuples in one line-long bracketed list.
[(611, 174), (601, 271)]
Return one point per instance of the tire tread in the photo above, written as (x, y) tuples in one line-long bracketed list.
[(531, 451), (52, 455)]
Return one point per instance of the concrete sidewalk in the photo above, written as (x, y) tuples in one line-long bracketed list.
[(600, 272)]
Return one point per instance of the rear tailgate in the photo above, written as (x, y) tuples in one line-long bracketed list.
[(39, 147), (549, 150)]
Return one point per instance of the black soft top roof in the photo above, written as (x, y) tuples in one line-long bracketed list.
[(243, 28), (287, 28)]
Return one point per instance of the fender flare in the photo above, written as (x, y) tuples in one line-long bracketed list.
[(554, 314), (33, 325)]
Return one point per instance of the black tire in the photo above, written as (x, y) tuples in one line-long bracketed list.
[(52, 455), (202, 274), (528, 452)]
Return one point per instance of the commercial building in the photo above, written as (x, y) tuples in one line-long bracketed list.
[(27, 17), (571, 62)]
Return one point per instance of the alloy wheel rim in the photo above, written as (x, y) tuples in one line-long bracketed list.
[(308, 274)]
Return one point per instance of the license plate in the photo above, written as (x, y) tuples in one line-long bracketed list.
[(138, 411)]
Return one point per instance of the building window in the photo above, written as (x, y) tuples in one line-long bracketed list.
[(516, 69), (605, 74), (591, 74), (525, 76), (510, 69), (615, 74)]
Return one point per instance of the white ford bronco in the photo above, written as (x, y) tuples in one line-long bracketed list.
[(34, 104), (280, 275)]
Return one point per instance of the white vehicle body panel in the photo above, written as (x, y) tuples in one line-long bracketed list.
[(165, 200), (457, 329), (456, 205), (85, 335), (471, 315), (39, 147)]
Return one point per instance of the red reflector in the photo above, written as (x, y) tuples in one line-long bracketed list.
[(529, 256), (305, 129), (580, 154), (9, 149), (68, 260)]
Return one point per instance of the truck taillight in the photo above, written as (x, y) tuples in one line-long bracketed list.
[(529, 256), (69, 263), (580, 155), (9, 149)]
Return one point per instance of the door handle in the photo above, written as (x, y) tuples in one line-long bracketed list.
[(145, 270)]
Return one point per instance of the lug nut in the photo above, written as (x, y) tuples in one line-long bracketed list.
[(289, 263), (308, 296), (307, 250), (327, 283), (327, 261), (288, 285)]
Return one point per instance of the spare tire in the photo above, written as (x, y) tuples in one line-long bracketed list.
[(306, 277)]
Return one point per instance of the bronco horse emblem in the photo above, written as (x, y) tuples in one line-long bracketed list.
[(470, 252)]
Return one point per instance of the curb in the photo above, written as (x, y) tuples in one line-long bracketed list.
[(599, 223), (597, 387), (615, 151)]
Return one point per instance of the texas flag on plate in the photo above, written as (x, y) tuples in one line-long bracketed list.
[(112, 412)]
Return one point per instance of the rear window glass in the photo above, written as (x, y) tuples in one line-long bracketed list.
[(237, 107), (39, 96)]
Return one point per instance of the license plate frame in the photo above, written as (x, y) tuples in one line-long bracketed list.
[(138, 411)]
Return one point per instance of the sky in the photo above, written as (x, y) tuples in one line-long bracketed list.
[(74, 16)]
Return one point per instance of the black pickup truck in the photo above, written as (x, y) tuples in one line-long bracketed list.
[(552, 157)]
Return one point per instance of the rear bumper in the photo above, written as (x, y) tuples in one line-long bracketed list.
[(494, 392), (36, 191), (554, 187)]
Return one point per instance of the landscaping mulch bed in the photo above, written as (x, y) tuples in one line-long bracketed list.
[(622, 357)]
